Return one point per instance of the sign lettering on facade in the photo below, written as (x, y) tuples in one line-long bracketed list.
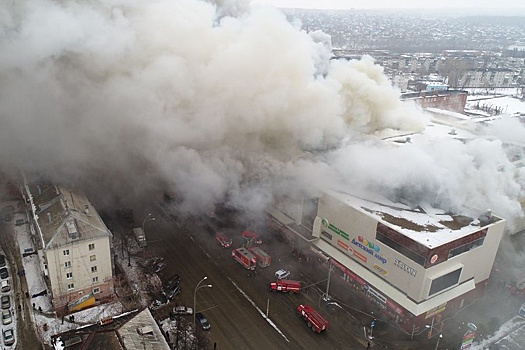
[(405, 267)]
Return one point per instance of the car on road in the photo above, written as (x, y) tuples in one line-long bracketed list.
[(2, 260), (203, 321), (182, 310), (282, 274), (5, 286), (4, 273), (7, 317), (9, 337), (5, 301)]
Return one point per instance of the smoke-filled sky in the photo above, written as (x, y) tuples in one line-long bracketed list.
[(214, 101)]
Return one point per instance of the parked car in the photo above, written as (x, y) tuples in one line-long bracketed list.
[(172, 281), (159, 302), (7, 317), (159, 267), (154, 261), (281, 274), (5, 301), (5, 286), (172, 291), (4, 273), (2, 260), (182, 310), (9, 337), (203, 321)]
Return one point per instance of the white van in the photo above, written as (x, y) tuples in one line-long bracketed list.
[(5, 286)]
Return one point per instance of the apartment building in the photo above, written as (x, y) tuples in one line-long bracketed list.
[(418, 264), (75, 246)]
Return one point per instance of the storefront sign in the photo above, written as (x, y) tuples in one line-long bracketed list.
[(394, 307), (337, 230), (369, 248), (380, 270), (349, 273), (436, 310), (405, 267)]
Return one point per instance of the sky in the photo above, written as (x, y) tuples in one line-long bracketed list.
[(216, 101), (387, 4)]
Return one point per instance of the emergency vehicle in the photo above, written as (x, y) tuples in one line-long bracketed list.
[(314, 319), (263, 259), (286, 286), (223, 240), (245, 258), (252, 237)]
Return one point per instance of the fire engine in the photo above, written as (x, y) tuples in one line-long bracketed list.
[(314, 319), (252, 237), (263, 259), (286, 286), (223, 240), (245, 258)]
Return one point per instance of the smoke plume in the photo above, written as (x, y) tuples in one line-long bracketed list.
[(215, 100)]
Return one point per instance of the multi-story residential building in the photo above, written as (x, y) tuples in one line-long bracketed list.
[(489, 78), (416, 263), (75, 245)]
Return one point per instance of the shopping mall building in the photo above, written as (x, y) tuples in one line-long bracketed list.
[(417, 263)]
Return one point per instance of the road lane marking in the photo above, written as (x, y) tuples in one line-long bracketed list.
[(259, 310)]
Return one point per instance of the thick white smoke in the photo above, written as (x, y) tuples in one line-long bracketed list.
[(212, 100)]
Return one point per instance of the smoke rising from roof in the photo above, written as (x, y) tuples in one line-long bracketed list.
[(214, 100)]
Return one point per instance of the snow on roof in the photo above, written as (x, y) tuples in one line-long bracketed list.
[(430, 227)]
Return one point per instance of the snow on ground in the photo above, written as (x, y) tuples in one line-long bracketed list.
[(509, 336), (508, 104)]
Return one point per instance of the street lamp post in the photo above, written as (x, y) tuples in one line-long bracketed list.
[(439, 338), (146, 219), (440, 333), (195, 296)]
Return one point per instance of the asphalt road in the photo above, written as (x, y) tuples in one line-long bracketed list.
[(236, 305)]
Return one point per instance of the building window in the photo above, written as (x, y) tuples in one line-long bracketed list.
[(400, 249), (70, 286), (93, 269), (69, 275), (444, 282), (95, 279), (92, 246), (67, 264), (326, 235), (96, 290), (92, 258), (466, 247), (66, 252)]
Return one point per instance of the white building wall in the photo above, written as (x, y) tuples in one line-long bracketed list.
[(81, 264)]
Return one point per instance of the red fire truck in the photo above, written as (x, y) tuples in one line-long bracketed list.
[(245, 258), (314, 319), (263, 259), (223, 240), (252, 237), (286, 286)]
